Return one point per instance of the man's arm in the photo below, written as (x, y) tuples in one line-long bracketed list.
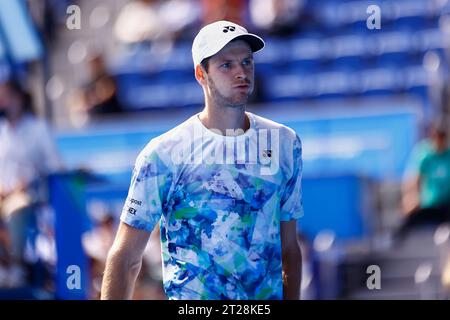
[(292, 260), (124, 263), (411, 195)]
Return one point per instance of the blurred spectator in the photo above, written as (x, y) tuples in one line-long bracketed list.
[(27, 155), (99, 240), (426, 190), (181, 18), (154, 20), (231, 10), (99, 95), (139, 21), (96, 244), (276, 17), (445, 277)]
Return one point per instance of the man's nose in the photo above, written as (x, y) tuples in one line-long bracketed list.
[(240, 73)]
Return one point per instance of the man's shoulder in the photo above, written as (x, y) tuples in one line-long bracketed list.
[(425, 150), (284, 131), (161, 146)]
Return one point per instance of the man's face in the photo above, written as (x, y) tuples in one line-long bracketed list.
[(439, 139), (10, 102), (230, 76), (4, 97)]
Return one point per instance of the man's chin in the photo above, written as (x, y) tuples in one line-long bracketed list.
[(239, 102), (237, 105)]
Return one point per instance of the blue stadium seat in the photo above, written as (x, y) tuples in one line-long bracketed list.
[(380, 81), (161, 90), (134, 59), (393, 42), (325, 12), (415, 76), (429, 39), (394, 59), (349, 63), (146, 58), (275, 53), (348, 51), (179, 58), (333, 84), (306, 52), (286, 85), (411, 23), (417, 80)]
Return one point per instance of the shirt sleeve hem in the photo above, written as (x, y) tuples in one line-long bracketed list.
[(291, 215), (145, 226)]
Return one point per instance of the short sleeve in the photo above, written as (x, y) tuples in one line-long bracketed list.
[(415, 160), (291, 201), (148, 191)]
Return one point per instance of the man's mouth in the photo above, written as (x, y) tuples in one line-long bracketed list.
[(242, 86)]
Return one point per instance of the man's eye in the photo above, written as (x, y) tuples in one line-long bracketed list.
[(226, 65), (247, 62)]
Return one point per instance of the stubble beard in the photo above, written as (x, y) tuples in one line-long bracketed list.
[(223, 101)]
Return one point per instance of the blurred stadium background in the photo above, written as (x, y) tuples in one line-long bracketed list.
[(360, 100)]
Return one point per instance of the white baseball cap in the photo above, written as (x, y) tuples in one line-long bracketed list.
[(213, 37)]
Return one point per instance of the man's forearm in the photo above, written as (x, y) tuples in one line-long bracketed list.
[(411, 195), (292, 274), (119, 278)]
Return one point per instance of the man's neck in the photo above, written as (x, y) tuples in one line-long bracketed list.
[(225, 118)]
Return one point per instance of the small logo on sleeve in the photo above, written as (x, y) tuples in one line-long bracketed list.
[(133, 201), (131, 210)]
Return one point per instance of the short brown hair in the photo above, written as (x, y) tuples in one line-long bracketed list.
[(205, 63)]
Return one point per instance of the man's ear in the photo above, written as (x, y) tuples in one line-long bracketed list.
[(200, 74)]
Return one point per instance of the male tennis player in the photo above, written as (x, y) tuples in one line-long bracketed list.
[(225, 186)]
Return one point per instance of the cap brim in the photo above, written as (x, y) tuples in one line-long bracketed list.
[(255, 42)]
